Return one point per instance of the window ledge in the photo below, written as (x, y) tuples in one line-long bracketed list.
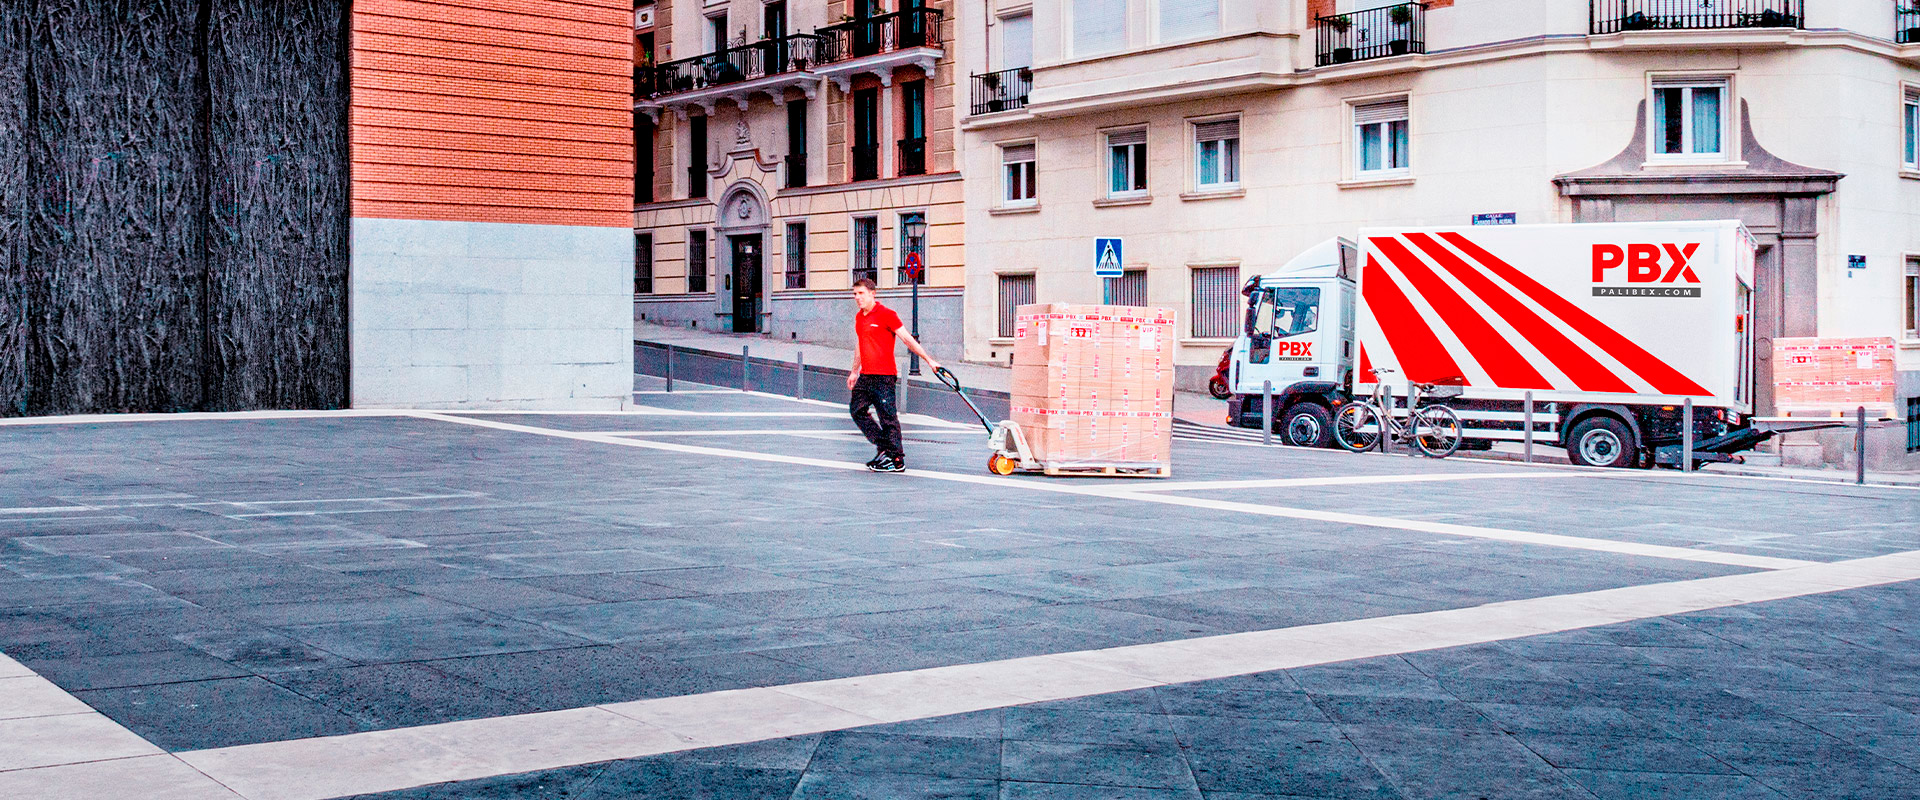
[(999, 211), (1000, 340), (1910, 173), (1110, 202), (1692, 163), (1368, 183), (1207, 341), (1213, 194)]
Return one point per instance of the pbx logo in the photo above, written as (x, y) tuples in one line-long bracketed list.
[(1641, 268), (1293, 351)]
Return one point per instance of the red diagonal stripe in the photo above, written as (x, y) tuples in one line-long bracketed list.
[(1665, 379), (1505, 365), (1422, 358), (1586, 371)]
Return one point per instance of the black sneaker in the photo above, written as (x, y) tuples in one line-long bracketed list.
[(875, 460), (888, 464)]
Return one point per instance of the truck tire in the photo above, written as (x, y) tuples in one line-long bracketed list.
[(1307, 425), (1601, 441)]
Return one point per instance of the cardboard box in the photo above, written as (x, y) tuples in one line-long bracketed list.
[(1835, 374)]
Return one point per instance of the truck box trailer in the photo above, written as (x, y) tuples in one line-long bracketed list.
[(1611, 329)]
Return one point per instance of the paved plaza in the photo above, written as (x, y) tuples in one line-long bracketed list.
[(711, 598)]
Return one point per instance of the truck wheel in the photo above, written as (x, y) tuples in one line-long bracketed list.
[(1600, 442), (1308, 425)]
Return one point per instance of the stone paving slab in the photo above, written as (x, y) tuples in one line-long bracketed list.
[(1520, 718)]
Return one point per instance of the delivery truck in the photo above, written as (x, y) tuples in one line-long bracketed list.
[(1611, 329)]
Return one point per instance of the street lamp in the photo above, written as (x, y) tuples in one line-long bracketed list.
[(915, 228)]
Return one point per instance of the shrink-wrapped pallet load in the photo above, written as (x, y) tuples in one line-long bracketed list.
[(1093, 387), (1833, 374)]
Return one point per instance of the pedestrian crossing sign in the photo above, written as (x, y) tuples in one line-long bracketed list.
[(1106, 257)]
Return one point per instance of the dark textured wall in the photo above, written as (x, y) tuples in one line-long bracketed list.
[(185, 206), (13, 205)]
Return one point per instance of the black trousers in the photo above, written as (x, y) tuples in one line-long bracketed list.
[(874, 396)]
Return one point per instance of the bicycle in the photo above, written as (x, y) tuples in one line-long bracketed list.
[(1434, 429)]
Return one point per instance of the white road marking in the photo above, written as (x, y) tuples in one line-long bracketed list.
[(1350, 480), (318, 768), (47, 510), (765, 432), (1127, 492)]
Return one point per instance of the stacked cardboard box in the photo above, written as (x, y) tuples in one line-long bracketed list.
[(1833, 374), (1093, 385)]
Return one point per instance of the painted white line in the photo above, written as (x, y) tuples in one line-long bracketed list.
[(765, 432), (687, 391), (1351, 480), (314, 769), (47, 510), (1128, 492)]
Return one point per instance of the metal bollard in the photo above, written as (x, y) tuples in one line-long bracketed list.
[(1686, 435), (669, 368), (1266, 412), (1860, 445), (744, 367), (1526, 437), (800, 374)]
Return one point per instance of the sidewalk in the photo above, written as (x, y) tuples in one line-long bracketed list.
[(1190, 406)]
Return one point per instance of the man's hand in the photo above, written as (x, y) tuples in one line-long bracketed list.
[(852, 377), (932, 365)]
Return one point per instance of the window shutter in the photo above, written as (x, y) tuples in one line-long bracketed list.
[(1015, 153), (1216, 130), (1099, 26), (1135, 136), (1187, 19), (1380, 112)]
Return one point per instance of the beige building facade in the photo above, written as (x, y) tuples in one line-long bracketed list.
[(1218, 138), (796, 146)]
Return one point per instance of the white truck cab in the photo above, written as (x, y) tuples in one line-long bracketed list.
[(1298, 340)]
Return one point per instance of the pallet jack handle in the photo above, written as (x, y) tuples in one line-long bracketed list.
[(953, 383)]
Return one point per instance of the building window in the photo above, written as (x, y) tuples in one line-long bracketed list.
[(796, 143), (1017, 168), (1127, 163), (643, 263), (696, 261), (866, 134), (1910, 113), (1130, 289), (1015, 291), (1380, 140), (866, 248), (1216, 150), (642, 158), (773, 21), (913, 128), (1216, 302), (1099, 26), (1016, 42), (717, 32), (697, 157), (796, 255), (1689, 120), (1188, 19), (1912, 318)]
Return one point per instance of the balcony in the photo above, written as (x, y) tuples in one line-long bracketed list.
[(769, 67), (877, 45), (1615, 16), (1374, 33), (1005, 90), (866, 162), (913, 156), (1906, 23)]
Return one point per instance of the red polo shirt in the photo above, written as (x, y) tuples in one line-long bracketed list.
[(875, 330)]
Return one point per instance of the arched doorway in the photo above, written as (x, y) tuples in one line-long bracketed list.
[(743, 223)]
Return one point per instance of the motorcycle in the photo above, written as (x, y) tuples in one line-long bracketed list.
[(1217, 385)]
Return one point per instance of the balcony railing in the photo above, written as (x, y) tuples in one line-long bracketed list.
[(885, 33), (1373, 33), (1614, 16), (732, 65), (1906, 22), (1005, 90), (866, 161), (913, 156), (796, 170)]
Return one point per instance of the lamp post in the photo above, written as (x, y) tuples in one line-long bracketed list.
[(915, 228)]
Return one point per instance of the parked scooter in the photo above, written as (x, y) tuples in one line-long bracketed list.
[(1217, 385)]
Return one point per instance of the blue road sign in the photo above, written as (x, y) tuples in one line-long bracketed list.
[(1497, 218), (1107, 258)]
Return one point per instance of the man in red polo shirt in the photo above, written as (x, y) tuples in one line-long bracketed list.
[(874, 379)]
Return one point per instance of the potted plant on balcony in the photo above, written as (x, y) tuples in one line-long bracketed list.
[(1638, 21), (1400, 16), (1340, 24)]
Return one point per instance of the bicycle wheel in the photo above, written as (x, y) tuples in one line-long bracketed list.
[(1436, 431), (1357, 428)]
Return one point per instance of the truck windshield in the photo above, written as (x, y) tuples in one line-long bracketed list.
[(1291, 310)]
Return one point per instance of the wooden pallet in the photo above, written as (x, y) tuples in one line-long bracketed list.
[(1111, 470)]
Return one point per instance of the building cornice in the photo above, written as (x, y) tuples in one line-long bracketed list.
[(856, 186)]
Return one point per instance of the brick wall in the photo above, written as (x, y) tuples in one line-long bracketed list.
[(493, 111)]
